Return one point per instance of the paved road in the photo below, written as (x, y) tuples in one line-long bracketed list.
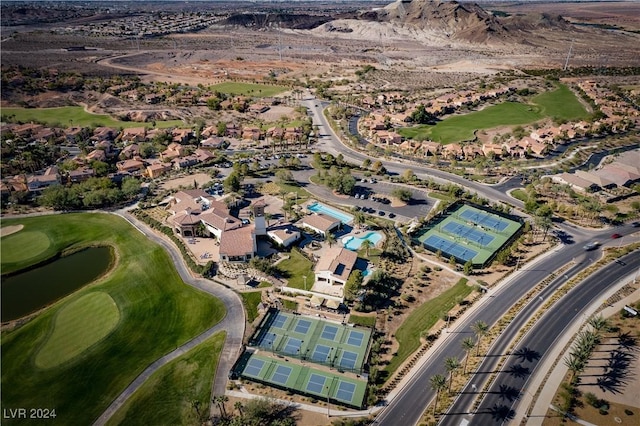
[(500, 400), (233, 324), (417, 393)]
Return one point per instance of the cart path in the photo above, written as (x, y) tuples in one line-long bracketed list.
[(233, 324)]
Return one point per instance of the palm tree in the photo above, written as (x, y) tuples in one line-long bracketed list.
[(220, 400), (238, 406), (575, 364), (480, 328), (451, 364), (438, 382), (366, 245), (330, 238), (599, 324), (467, 345)]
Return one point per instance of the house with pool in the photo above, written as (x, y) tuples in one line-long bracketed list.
[(333, 269)]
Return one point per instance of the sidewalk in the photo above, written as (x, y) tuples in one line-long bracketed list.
[(549, 383)]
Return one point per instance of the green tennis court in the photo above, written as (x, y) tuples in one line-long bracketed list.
[(303, 379), (312, 339), (469, 234)]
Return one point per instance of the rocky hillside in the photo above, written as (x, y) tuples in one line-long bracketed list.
[(467, 22), (451, 22)]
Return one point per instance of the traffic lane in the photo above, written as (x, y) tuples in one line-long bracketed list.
[(413, 400), (463, 404), (499, 402)]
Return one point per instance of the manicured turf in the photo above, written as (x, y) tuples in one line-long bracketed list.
[(422, 319), (22, 246), (560, 103), (78, 326), (250, 301), (362, 320), (168, 397), (248, 89), (77, 116), (158, 313), (295, 268), (461, 127)]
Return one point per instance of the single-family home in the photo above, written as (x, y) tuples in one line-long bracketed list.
[(335, 266)]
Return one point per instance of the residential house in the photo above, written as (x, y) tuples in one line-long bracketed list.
[(130, 151), (181, 136), (158, 169), (131, 166), (133, 134), (174, 150), (80, 175), (50, 177), (212, 142), (335, 266)]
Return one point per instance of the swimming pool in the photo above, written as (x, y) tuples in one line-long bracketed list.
[(353, 243), (321, 208)]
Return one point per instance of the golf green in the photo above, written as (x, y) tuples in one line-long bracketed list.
[(23, 245), (78, 326), (147, 310)]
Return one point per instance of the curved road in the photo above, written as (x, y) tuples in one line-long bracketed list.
[(529, 353), (233, 324), (499, 401)]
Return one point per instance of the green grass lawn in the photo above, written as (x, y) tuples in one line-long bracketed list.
[(77, 116), (422, 319), (25, 246), (249, 89), (362, 320), (295, 268), (250, 300), (461, 127), (170, 394), (158, 313), (560, 103), (290, 304), (519, 194), (78, 326)]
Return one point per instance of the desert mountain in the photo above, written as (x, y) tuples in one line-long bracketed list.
[(452, 22)]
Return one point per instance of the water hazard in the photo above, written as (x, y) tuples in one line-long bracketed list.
[(36, 288)]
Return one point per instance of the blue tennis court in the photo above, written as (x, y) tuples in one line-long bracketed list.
[(348, 359), (281, 375), (279, 321), (329, 332), (468, 233), (484, 219), (254, 367), (458, 250), (268, 340), (293, 345), (320, 353), (355, 338), (345, 391), (302, 326), (316, 383)]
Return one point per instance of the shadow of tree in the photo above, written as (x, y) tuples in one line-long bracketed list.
[(519, 371), (501, 413), (526, 354)]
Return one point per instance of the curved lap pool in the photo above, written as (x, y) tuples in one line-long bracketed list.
[(353, 243)]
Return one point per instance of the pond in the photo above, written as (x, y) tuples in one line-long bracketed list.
[(36, 288)]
